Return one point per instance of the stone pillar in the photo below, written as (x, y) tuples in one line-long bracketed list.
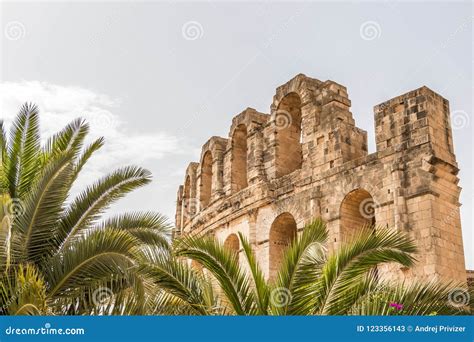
[(252, 219), (226, 170), (255, 155), (178, 217), (399, 202), (217, 174)]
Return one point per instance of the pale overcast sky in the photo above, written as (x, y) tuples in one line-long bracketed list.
[(159, 78)]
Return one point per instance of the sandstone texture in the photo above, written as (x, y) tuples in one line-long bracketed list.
[(307, 159)]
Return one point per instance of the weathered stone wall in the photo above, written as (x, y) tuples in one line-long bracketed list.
[(307, 159)]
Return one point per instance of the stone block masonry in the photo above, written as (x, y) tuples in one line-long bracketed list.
[(307, 159)]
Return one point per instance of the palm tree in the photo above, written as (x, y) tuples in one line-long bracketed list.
[(56, 254), (309, 282)]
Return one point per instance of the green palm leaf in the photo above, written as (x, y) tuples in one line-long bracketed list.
[(301, 266), (184, 286), (92, 202), (24, 151), (347, 269), (260, 286), (117, 295), (43, 208), (69, 139), (147, 227), (224, 266), (416, 298), (93, 258), (86, 155)]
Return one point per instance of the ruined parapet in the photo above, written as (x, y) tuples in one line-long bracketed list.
[(413, 119), (315, 114), (415, 128), (210, 172), (245, 148)]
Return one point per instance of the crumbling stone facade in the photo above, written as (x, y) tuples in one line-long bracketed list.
[(307, 159)]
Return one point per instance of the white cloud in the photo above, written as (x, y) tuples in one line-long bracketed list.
[(59, 105)]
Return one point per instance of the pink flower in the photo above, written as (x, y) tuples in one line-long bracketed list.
[(396, 306)]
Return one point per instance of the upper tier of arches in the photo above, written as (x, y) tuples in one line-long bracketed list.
[(305, 113)]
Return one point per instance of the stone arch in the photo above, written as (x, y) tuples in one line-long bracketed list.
[(357, 210), (282, 232), (239, 158), (288, 121), (206, 179), (232, 244)]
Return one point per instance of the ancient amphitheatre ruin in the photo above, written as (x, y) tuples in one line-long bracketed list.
[(307, 159)]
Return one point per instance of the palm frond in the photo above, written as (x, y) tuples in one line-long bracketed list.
[(300, 269), (85, 156), (23, 151), (260, 286), (187, 290), (43, 208), (69, 139), (92, 202), (117, 295), (347, 269), (224, 266), (148, 227), (167, 304), (432, 298), (94, 257)]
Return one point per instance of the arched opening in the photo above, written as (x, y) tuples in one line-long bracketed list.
[(239, 159), (282, 233), (206, 179), (357, 210), (232, 244), (288, 135)]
